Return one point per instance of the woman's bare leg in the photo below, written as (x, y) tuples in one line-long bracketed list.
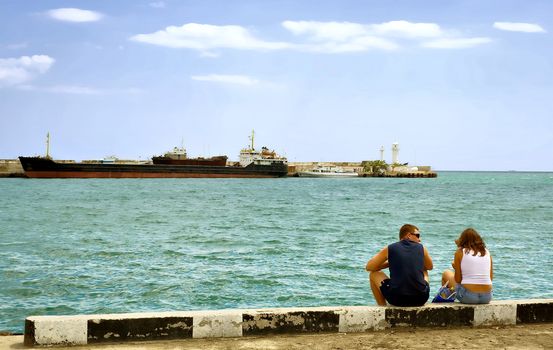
[(449, 276)]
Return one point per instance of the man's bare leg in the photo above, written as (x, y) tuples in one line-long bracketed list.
[(376, 278)]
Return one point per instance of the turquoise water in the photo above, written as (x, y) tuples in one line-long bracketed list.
[(129, 245)]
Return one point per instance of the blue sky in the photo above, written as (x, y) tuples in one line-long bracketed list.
[(460, 85)]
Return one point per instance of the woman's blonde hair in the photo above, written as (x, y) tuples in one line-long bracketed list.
[(471, 240)]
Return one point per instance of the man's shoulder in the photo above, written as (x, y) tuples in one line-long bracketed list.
[(395, 245), (407, 244)]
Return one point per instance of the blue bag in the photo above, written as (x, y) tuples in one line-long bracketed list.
[(445, 295)]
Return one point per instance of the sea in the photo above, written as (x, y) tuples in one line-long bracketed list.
[(88, 246)]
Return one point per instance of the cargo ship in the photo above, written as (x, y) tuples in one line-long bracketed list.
[(252, 164)]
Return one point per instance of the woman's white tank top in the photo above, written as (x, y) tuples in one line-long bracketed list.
[(475, 269)]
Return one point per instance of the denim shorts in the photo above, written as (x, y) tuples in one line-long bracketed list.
[(467, 297)]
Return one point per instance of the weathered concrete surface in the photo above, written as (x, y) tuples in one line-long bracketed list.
[(87, 329), (431, 316), (227, 323), (362, 319), (279, 322), (58, 330), (132, 329), (535, 311), (527, 336), (495, 314), (11, 168)]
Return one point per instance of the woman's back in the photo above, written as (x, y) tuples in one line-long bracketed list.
[(475, 268)]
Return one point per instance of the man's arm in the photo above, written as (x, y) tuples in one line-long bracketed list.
[(379, 261), (428, 264)]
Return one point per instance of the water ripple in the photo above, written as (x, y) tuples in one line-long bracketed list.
[(96, 246)]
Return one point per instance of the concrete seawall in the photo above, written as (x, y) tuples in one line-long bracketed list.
[(89, 329), (11, 168)]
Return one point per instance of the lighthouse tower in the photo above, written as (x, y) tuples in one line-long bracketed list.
[(395, 153), (382, 153)]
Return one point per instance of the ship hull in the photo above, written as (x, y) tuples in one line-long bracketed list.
[(37, 167)]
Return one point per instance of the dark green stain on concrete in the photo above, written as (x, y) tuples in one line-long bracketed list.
[(430, 317), (534, 313), (137, 329), (290, 322)]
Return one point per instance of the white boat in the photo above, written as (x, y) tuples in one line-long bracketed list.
[(327, 171)]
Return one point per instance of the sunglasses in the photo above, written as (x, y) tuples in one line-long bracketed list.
[(418, 235)]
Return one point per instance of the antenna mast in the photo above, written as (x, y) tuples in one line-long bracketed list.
[(48, 145)]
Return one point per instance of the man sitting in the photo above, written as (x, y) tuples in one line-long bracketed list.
[(409, 262)]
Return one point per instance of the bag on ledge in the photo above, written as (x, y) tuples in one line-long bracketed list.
[(445, 294)]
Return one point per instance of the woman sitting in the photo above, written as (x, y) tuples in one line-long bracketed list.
[(473, 274)]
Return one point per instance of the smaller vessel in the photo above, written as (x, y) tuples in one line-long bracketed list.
[(327, 171), (250, 155), (178, 156)]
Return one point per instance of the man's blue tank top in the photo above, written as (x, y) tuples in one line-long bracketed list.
[(406, 259)]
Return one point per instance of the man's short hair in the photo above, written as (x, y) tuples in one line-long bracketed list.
[(407, 229)]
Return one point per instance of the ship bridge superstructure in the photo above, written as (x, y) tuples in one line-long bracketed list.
[(250, 155)]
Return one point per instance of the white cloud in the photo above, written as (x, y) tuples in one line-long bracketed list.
[(74, 15), (340, 37), (157, 4), (519, 27), (337, 37), (456, 43), (343, 31), (407, 29), (205, 37), (15, 71), (323, 31), (227, 79), (319, 37)]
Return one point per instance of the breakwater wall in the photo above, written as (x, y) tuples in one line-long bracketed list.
[(420, 171), (11, 168), (89, 329)]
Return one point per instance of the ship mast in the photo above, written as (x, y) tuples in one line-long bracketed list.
[(48, 145), (253, 133)]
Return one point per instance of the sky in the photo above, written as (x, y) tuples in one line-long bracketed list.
[(460, 84)]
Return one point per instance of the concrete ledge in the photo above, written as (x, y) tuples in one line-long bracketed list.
[(282, 321), (87, 329)]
